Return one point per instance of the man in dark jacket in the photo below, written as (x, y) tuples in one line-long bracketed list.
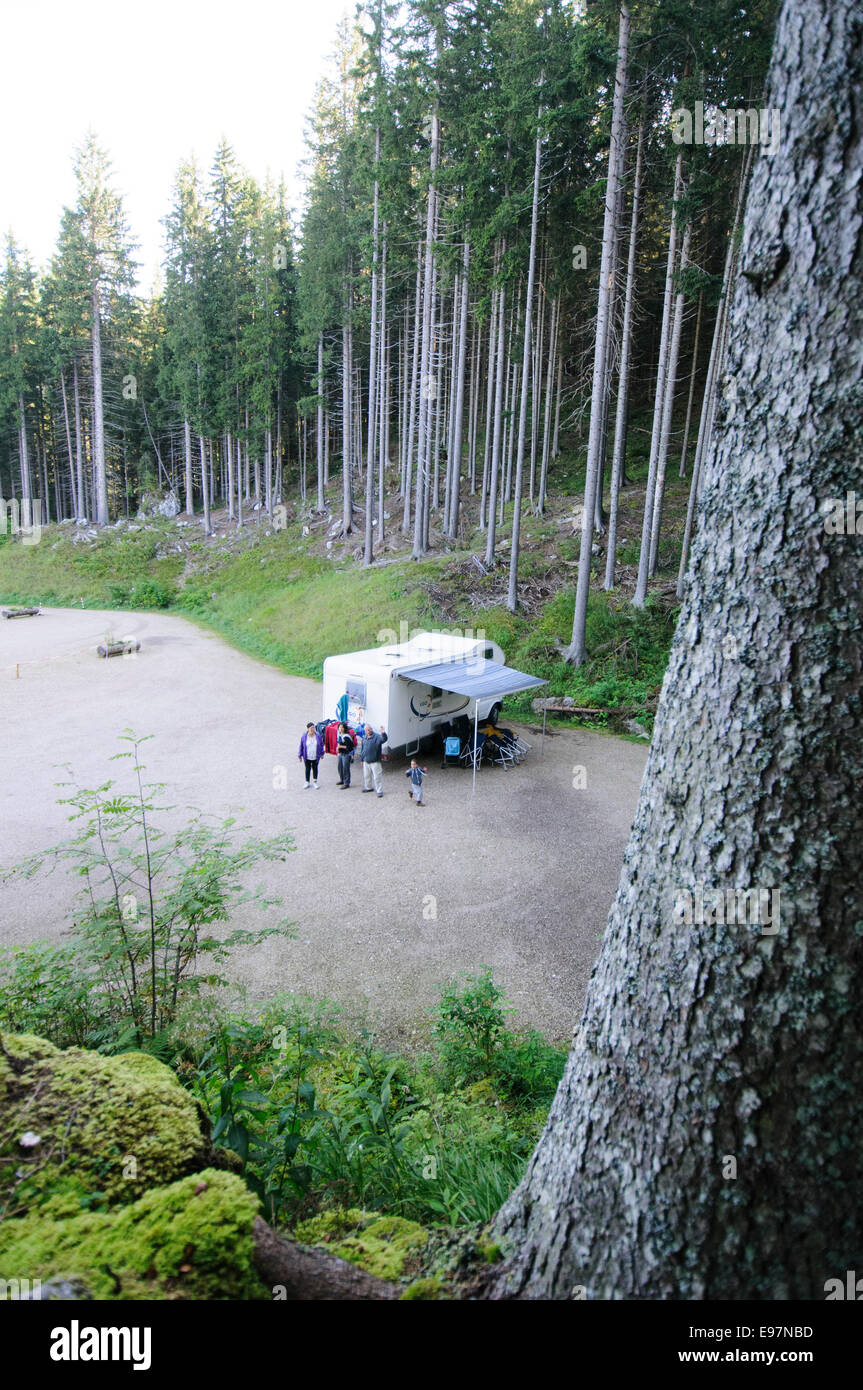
[(372, 745)]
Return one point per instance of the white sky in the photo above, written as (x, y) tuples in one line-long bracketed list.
[(158, 80)]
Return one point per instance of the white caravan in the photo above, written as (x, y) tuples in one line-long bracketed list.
[(408, 708)]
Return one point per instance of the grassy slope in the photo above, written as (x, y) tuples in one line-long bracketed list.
[(285, 598)]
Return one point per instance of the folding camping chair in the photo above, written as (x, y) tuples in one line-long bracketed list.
[(451, 751), (472, 756), (499, 750)]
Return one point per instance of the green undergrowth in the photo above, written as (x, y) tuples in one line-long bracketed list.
[(284, 599)]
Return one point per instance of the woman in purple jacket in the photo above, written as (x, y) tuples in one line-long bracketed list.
[(311, 751)]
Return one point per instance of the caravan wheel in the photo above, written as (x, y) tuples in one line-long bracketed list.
[(495, 713)]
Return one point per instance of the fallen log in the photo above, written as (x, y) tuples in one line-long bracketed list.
[(107, 649), (21, 612), (557, 707), (303, 1273)]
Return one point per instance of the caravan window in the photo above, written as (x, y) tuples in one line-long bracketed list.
[(356, 691), (489, 651)]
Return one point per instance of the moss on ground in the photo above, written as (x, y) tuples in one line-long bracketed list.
[(98, 1130), (191, 1239), (379, 1244)]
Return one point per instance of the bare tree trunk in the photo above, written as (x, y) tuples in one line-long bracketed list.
[(494, 470), (455, 495), (73, 488), (414, 391), (473, 410), (576, 651), (425, 356), (668, 411), (347, 406), (705, 1140), (100, 477), (509, 423), (553, 334), (320, 430), (512, 593), (713, 370), (187, 445), (368, 551), (619, 455), (23, 455), (659, 402), (205, 486), (79, 448), (383, 392), (692, 375), (555, 443), (489, 404), (536, 384)]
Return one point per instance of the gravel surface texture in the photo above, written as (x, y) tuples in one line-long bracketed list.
[(390, 899)]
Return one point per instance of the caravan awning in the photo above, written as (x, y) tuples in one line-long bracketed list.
[(474, 676)]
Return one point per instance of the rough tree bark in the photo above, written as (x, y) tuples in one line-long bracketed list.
[(701, 1044)]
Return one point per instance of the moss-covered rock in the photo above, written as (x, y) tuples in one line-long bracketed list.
[(379, 1244), (189, 1240), (92, 1130)]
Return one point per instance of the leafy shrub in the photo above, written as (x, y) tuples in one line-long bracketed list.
[(137, 953), (474, 1042), (44, 990)]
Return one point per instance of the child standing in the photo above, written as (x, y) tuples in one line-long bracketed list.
[(416, 774), (311, 752)]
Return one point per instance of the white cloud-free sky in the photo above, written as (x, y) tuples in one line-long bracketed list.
[(158, 80)]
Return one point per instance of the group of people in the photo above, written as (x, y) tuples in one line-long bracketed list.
[(345, 743)]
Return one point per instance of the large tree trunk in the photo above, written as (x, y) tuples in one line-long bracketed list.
[(100, 478), (705, 1140)]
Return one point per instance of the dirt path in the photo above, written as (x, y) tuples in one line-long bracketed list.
[(389, 900)]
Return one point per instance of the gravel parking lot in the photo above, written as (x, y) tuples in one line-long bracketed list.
[(389, 900)]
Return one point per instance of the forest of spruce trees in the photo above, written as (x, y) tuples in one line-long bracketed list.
[(503, 251)]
